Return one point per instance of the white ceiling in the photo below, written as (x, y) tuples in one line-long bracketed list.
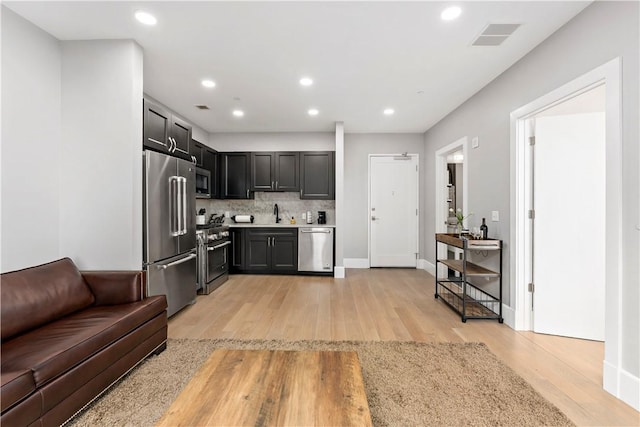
[(363, 56)]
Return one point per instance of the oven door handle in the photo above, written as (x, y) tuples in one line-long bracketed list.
[(218, 246), (180, 261)]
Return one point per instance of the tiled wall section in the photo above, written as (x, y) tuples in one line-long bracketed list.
[(262, 206)]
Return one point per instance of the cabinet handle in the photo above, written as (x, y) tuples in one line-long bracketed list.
[(276, 184), (247, 193), (300, 191), (273, 242), (272, 185)]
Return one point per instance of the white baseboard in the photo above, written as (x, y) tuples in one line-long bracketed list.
[(356, 263), (509, 316), (425, 265), (621, 384), (338, 272)]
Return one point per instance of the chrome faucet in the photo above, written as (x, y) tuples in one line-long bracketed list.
[(276, 212)]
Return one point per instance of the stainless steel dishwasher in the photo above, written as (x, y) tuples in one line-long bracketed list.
[(315, 249)]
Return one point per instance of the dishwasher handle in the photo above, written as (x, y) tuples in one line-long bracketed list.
[(315, 231)]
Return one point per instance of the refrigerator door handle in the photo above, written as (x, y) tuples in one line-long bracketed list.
[(174, 221), (183, 184), (179, 206), (180, 261)]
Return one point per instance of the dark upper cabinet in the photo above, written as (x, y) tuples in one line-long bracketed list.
[(271, 250), (277, 171), (165, 132), (235, 176), (287, 171), (197, 151), (210, 162), (262, 171), (156, 127), (317, 175), (181, 135)]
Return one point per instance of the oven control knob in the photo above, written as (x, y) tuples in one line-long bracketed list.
[(224, 234), (213, 237)]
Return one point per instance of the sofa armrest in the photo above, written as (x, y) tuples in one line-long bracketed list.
[(116, 287)]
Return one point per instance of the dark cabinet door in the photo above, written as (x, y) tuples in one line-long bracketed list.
[(197, 151), (210, 162), (258, 250), (236, 261), (284, 251), (262, 171), (235, 176), (156, 127), (181, 135), (287, 171), (317, 173)]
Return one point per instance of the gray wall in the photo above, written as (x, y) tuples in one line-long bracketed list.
[(603, 31), (357, 147), (31, 134), (71, 114)]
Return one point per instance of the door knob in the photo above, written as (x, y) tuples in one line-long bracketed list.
[(373, 218)]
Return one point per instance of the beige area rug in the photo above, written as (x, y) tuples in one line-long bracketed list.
[(407, 384)]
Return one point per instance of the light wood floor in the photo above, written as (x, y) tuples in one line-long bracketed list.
[(398, 304)]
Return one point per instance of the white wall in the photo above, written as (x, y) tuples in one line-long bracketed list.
[(357, 147), (273, 141), (586, 42), (101, 164), (31, 134)]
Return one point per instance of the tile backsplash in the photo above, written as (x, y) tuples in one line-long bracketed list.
[(289, 205)]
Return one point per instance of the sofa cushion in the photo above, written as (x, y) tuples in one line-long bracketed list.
[(16, 385), (51, 350), (39, 295)]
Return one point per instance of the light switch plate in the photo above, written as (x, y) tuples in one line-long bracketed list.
[(495, 216), (474, 142), (304, 215)]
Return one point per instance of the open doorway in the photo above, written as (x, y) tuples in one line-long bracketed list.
[(521, 210), (567, 154), (451, 170)]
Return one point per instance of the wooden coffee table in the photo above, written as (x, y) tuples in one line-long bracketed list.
[(262, 387)]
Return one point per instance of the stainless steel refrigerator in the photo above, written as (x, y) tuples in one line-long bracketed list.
[(170, 229)]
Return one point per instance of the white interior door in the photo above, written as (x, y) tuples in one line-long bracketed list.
[(393, 215), (569, 225)]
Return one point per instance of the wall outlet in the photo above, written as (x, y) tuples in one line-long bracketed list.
[(475, 143), (227, 214), (304, 215), (495, 216)]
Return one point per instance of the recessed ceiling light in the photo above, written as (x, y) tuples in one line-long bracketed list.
[(238, 113), (306, 81), (450, 13), (388, 111), (146, 18), (313, 112), (208, 83)]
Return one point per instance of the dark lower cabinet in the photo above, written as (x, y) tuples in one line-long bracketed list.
[(265, 250), (236, 259), (317, 175)]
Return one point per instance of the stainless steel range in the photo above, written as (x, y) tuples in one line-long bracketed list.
[(213, 256)]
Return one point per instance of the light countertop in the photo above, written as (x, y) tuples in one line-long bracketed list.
[(279, 225)]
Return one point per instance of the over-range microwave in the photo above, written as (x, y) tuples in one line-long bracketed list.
[(203, 183)]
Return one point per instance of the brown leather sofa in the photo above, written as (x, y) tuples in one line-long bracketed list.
[(67, 336)]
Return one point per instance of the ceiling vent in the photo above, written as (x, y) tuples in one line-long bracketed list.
[(495, 34), (202, 107)]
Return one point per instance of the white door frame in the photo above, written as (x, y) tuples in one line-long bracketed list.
[(520, 241), (368, 217), (440, 193)]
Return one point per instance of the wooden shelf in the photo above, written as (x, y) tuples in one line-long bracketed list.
[(472, 269), (467, 299)]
